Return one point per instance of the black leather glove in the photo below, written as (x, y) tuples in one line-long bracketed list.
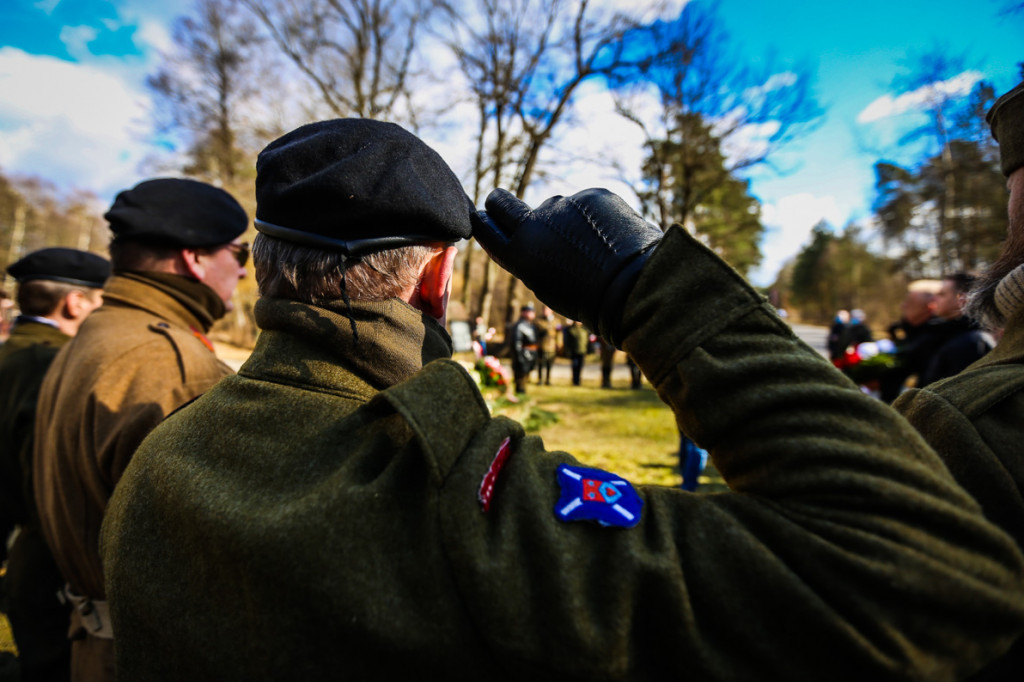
[(581, 254)]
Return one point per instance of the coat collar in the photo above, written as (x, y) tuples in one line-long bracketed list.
[(162, 297), (312, 346), (27, 332)]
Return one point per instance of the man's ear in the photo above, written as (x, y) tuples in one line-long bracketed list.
[(435, 283), (75, 305), (190, 264)]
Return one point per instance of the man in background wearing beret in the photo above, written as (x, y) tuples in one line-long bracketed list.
[(176, 262), (975, 420), (57, 289), (524, 346), (347, 507)]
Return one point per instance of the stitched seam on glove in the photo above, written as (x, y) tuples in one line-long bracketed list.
[(590, 221)]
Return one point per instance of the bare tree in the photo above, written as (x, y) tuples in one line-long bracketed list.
[(525, 61), (207, 85), (357, 54), (709, 99), (498, 45)]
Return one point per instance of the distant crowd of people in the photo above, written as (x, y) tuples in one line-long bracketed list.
[(932, 340), (346, 505), (534, 342)]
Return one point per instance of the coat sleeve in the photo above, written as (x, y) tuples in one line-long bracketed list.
[(844, 550)]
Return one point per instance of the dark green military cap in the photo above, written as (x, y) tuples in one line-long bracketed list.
[(356, 186), (57, 264), (1007, 120), (177, 212)]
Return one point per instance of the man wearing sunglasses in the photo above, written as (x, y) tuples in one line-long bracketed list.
[(176, 260)]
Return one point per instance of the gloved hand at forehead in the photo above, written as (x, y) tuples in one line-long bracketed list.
[(581, 254)]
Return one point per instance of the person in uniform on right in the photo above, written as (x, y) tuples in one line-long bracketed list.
[(975, 419), (347, 506)]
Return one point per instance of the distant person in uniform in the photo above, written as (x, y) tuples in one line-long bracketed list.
[(346, 505), (176, 261), (857, 332), (915, 310), (911, 338), (482, 335), (975, 419), (57, 289), (577, 340), (524, 346), (837, 336), (547, 330), (961, 339)]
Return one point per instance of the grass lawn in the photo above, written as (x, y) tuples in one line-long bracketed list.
[(630, 433)]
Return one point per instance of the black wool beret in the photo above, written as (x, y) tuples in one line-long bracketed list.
[(57, 264), (176, 212), (358, 186), (1007, 120)]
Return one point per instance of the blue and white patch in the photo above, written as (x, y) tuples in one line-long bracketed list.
[(595, 495)]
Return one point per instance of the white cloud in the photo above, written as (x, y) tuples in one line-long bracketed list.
[(77, 39), (887, 105), (776, 82), (788, 223), (47, 6), (84, 129), (153, 34), (645, 13)]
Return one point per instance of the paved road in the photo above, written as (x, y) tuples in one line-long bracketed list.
[(814, 337)]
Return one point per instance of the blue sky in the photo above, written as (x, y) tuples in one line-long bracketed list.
[(74, 108)]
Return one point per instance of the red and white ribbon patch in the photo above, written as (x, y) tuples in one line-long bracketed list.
[(486, 491)]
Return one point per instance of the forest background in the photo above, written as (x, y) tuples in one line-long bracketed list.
[(239, 73)]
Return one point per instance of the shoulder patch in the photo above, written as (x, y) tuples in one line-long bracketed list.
[(596, 495)]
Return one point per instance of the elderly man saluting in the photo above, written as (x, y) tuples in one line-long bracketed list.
[(346, 506)]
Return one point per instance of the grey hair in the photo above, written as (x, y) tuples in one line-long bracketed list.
[(287, 270)]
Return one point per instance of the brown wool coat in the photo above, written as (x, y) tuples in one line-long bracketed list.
[(548, 332), (133, 361), (299, 522), (975, 421)]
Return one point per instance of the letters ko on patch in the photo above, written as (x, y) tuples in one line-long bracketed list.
[(595, 495)]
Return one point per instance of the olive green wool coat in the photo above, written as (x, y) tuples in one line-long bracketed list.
[(24, 359), (975, 421), (319, 516), (39, 621)]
